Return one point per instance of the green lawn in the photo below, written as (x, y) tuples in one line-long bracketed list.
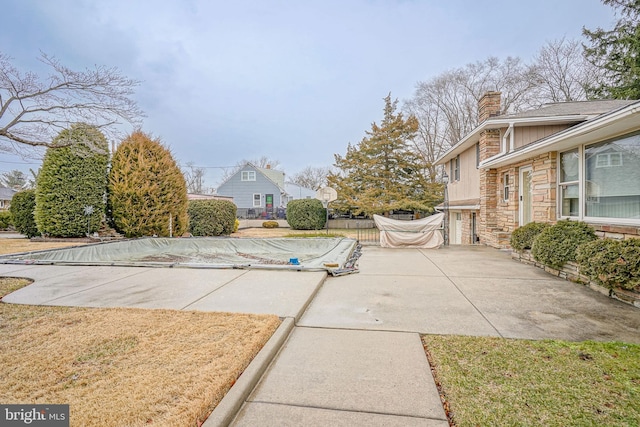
[(503, 382)]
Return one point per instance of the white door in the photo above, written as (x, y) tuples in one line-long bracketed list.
[(525, 196)]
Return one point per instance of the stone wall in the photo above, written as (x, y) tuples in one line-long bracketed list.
[(571, 271)]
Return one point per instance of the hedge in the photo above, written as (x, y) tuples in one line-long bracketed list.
[(306, 214), (522, 237), (211, 217), (611, 263), (556, 245), (22, 208), (5, 220)]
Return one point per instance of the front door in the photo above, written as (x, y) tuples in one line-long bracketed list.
[(526, 197), (269, 205)]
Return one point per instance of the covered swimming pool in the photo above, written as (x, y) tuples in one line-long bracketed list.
[(305, 254)]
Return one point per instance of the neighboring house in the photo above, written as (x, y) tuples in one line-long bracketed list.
[(257, 192), (295, 192), (6, 194), (576, 160)]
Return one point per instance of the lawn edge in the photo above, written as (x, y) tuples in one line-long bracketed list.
[(231, 403)]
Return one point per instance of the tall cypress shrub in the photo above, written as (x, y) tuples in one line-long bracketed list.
[(147, 191), (72, 183)]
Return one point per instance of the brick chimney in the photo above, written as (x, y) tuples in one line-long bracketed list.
[(488, 106)]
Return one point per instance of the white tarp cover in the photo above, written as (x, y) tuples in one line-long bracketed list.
[(202, 252), (420, 233)]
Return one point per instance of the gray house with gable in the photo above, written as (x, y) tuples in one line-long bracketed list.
[(257, 192)]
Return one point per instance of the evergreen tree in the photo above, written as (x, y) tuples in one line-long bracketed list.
[(147, 191), (72, 184), (383, 173), (617, 52)]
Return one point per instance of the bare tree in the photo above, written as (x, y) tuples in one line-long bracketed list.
[(15, 179), (261, 162), (33, 109), (194, 177), (311, 177), (562, 73)]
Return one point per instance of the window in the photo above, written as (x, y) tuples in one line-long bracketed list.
[(477, 155), (248, 175), (608, 160), (257, 200), (505, 186), (455, 175), (602, 180), (569, 184)]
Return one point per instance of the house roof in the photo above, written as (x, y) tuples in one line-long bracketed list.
[(570, 113), (7, 193), (274, 175), (604, 126)]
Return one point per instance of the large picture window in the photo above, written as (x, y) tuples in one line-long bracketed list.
[(602, 180), (612, 178)]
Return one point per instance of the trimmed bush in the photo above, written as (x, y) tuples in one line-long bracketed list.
[(147, 191), (23, 206), (556, 245), (306, 214), (72, 183), (5, 220), (611, 263), (211, 217), (522, 237), (270, 224)]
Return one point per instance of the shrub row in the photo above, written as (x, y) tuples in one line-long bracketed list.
[(5, 220), (607, 262)]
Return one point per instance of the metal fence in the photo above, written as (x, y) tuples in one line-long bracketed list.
[(368, 236)]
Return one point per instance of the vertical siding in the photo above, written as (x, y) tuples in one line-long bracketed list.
[(528, 134), (469, 185)]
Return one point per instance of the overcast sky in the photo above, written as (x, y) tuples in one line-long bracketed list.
[(292, 80)]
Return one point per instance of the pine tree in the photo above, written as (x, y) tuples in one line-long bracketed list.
[(617, 52), (382, 173), (72, 183), (147, 191)]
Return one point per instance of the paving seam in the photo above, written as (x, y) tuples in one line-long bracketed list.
[(92, 287), (216, 289), (231, 404), (465, 297), (335, 328), (347, 410), (311, 297)]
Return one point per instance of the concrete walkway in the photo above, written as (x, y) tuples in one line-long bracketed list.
[(349, 350)]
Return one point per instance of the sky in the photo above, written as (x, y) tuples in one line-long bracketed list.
[(295, 81)]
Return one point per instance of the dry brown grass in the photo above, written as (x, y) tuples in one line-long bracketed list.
[(12, 246), (125, 367)]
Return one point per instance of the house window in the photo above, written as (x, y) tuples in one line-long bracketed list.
[(569, 183), (455, 163), (505, 187), (477, 155), (612, 178), (607, 160), (248, 175), (257, 200), (602, 180)]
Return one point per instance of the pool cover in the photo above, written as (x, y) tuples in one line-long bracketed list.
[(203, 252)]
